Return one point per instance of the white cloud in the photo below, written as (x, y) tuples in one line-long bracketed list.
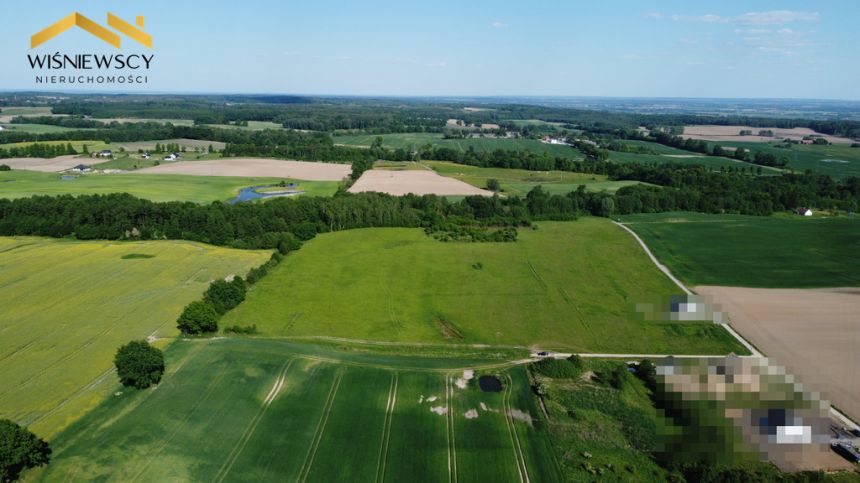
[(632, 57), (773, 17), (437, 65), (652, 15), (708, 18), (497, 24), (776, 17)]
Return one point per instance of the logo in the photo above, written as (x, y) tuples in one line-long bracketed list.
[(120, 68), (78, 20)]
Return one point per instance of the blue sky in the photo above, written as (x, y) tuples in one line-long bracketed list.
[(627, 48)]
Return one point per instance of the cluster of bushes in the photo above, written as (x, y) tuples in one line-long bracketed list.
[(5, 167), (569, 368)]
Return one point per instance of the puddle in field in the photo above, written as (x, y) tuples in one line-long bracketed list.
[(440, 410), (471, 414), (490, 384)]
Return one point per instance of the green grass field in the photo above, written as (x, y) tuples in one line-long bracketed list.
[(417, 140), (751, 251), (25, 111), (156, 187), (520, 181), (837, 160), (257, 410), (131, 160), (69, 305), (91, 145), (712, 162), (40, 128), (565, 285), (252, 126)]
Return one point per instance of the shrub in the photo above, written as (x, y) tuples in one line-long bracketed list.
[(20, 449), (198, 317), (557, 368), (615, 377), (493, 185), (648, 373), (139, 365), (5, 167), (241, 329), (224, 295)]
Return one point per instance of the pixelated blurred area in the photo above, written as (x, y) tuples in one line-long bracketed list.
[(813, 333), (729, 410), (681, 308)]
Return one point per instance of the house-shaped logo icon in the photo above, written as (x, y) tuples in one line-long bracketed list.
[(109, 36)]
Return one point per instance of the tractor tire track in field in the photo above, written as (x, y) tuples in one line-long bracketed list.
[(213, 383), (386, 429), (312, 450), (449, 429), (512, 431), (255, 421)]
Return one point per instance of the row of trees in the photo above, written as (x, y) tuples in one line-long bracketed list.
[(201, 316), (37, 150)]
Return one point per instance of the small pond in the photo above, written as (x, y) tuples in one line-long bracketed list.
[(68, 177), (253, 193), (490, 384)]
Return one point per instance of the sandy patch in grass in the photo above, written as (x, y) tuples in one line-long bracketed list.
[(731, 133), (814, 333), (462, 382), (413, 181), (254, 167), (471, 414), (520, 416), (47, 165), (440, 410)]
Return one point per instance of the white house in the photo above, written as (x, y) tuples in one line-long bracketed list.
[(82, 168), (170, 157), (145, 156), (105, 153), (2, 128), (804, 212)]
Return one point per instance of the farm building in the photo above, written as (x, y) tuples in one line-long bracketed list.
[(82, 168), (145, 156), (170, 157), (804, 212), (105, 153), (2, 128)]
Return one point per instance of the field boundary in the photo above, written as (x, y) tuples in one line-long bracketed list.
[(312, 449), (522, 469), (449, 427), (255, 421), (386, 429)]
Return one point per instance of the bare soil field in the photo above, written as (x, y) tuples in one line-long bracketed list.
[(731, 133), (814, 333), (417, 182), (187, 143), (254, 167), (47, 165)]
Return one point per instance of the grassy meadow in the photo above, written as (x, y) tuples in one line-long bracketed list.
[(255, 410), (564, 285), (155, 187), (520, 181), (68, 305), (40, 128), (417, 140), (837, 160), (751, 251)]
